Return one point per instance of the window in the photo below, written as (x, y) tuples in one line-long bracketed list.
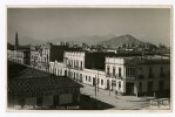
[(81, 67), (101, 82), (60, 72), (119, 85), (130, 72), (74, 64), (141, 76), (113, 71), (140, 68), (140, 85), (119, 72), (161, 72), (80, 78), (86, 78), (151, 72), (89, 79), (77, 75), (113, 83), (108, 69)]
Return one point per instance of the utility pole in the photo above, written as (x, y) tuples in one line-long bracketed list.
[(98, 81), (95, 88), (109, 88)]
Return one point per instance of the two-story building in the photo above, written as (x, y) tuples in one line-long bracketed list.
[(148, 75)]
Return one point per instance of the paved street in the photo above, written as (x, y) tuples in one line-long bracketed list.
[(121, 102)]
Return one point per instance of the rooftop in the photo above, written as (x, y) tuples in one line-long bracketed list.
[(34, 87), (28, 82)]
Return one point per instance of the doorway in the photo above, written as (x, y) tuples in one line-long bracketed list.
[(108, 84), (150, 88), (93, 81), (129, 88), (65, 73)]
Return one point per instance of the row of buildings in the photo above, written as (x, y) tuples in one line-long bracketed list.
[(122, 74)]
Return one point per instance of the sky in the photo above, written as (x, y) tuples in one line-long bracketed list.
[(44, 24)]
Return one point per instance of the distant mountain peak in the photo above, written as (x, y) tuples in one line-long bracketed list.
[(121, 40)]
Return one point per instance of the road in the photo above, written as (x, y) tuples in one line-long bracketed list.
[(121, 102)]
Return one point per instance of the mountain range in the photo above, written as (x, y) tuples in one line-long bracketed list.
[(107, 41)]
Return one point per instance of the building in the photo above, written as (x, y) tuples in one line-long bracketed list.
[(118, 73), (57, 68), (75, 60), (50, 53), (84, 67), (22, 55), (125, 73), (75, 64), (18, 53), (35, 89), (35, 57), (148, 75)]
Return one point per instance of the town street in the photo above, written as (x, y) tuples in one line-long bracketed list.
[(122, 102)]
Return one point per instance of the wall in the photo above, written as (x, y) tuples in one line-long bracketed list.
[(75, 60)]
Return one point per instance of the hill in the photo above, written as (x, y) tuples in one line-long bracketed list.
[(122, 41)]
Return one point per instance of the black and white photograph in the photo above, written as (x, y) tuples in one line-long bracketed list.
[(89, 58)]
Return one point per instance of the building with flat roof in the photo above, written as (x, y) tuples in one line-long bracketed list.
[(144, 75)]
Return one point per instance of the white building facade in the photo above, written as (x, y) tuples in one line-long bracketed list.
[(138, 76)]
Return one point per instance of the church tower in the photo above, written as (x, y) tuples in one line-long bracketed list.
[(16, 40)]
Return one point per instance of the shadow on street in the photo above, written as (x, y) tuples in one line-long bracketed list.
[(88, 103)]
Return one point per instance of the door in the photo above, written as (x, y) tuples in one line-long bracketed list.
[(56, 100), (65, 73), (80, 77), (130, 88), (140, 89), (161, 88), (93, 81), (161, 85), (150, 88), (108, 84)]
